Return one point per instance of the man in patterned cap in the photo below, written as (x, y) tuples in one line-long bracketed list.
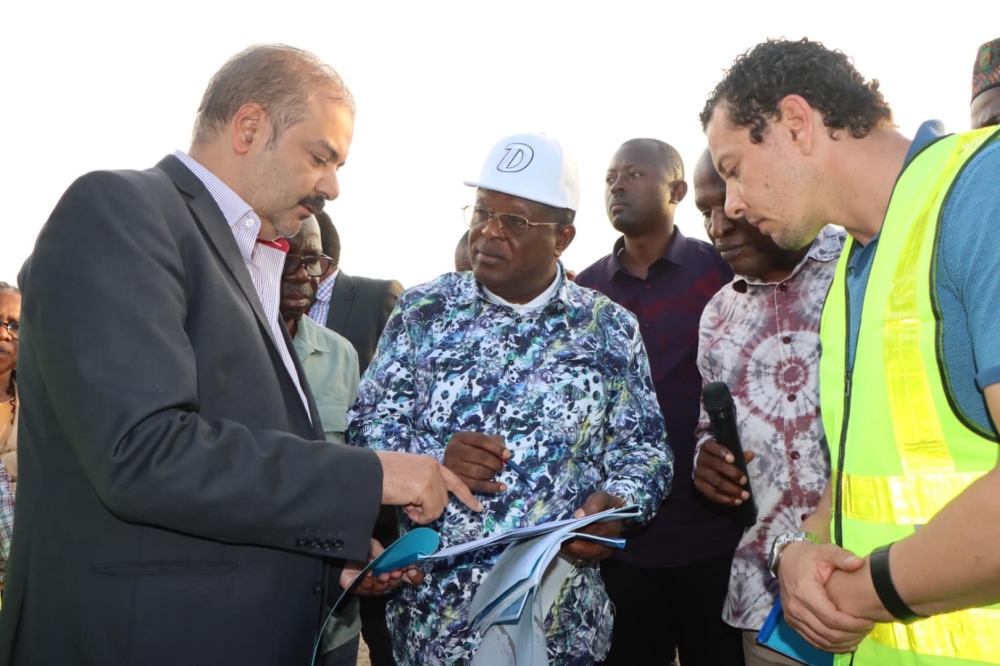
[(985, 109)]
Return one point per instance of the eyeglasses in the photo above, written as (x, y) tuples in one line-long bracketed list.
[(315, 266), (13, 327), (514, 226)]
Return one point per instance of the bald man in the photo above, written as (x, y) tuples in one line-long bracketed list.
[(669, 583)]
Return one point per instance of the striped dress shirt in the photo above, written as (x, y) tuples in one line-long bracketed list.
[(264, 261)]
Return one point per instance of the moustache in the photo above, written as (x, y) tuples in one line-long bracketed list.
[(314, 202), (296, 290)]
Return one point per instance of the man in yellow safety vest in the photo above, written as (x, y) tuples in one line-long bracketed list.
[(910, 371)]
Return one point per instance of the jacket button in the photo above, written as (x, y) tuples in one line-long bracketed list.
[(327, 544), (314, 543), (317, 589), (301, 542), (337, 544)]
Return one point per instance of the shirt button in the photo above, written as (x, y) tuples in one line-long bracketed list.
[(782, 287), (649, 286), (791, 397), (510, 362), (804, 516), (796, 455), (787, 340), (248, 223)]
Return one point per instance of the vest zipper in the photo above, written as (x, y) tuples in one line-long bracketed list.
[(838, 518)]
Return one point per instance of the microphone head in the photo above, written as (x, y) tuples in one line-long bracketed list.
[(716, 396)]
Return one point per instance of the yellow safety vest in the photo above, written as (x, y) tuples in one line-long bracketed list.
[(900, 449)]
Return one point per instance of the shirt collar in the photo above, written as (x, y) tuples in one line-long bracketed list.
[(470, 289), (674, 253), (237, 212), (826, 247), (310, 334)]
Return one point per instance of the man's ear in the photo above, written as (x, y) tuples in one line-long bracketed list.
[(249, 125), (564, 236), (678, 189), (798, 122)]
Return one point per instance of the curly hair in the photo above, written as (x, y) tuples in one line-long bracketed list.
[(759, 79)]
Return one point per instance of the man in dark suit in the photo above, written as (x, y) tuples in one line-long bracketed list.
[(178, 503), (355, 307)]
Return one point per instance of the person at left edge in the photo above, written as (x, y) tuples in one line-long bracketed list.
[(178, 502), (514, 362)]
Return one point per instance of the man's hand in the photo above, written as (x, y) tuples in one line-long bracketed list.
[(803, 572), (476, 458), (717, 477), (372, 586), (421, 484), (581, 549)]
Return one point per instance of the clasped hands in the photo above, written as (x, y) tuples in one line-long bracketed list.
[(476, 458), (828, 596)]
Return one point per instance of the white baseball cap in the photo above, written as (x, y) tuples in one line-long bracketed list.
[(533, 167)]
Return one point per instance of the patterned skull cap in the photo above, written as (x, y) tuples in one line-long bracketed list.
[(986, 73)]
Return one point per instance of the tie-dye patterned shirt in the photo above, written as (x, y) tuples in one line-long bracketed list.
[(762, 340), (568, 387)]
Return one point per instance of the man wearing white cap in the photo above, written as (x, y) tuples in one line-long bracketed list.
[(513, 362)]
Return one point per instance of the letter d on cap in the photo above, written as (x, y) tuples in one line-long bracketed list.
[(517, 158)]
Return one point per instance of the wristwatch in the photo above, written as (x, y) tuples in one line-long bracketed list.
[(782, 540)]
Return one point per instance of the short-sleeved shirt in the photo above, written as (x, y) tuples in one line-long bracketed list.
[(967, 281), (668, 305)]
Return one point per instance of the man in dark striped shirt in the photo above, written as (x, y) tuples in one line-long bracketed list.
[(670, 582)]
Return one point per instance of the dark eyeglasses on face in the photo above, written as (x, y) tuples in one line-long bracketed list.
[(13, 327), (315, 266), (509, 224)]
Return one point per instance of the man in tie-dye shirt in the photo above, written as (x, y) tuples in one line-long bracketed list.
[(512, 361), (760, 335)]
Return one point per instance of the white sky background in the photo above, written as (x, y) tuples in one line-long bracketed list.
[(101, 85)]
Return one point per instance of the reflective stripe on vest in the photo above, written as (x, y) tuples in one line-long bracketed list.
[(906, 453)]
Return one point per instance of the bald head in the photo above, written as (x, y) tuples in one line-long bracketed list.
[(642, 187), (660, 153), (309, 234)]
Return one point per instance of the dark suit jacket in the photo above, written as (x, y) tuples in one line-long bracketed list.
[(175, 503), (359, 309)]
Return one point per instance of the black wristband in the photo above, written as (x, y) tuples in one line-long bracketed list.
[(886, 591)]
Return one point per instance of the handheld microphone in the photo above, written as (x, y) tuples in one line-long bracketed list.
[(721, 412)]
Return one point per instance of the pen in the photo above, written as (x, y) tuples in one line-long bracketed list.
[(520, 470)]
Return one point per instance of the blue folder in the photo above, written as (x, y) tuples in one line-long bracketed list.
[(777, 635)]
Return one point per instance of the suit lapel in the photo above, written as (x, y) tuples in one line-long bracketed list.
[(213, 223), (341, 300)]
